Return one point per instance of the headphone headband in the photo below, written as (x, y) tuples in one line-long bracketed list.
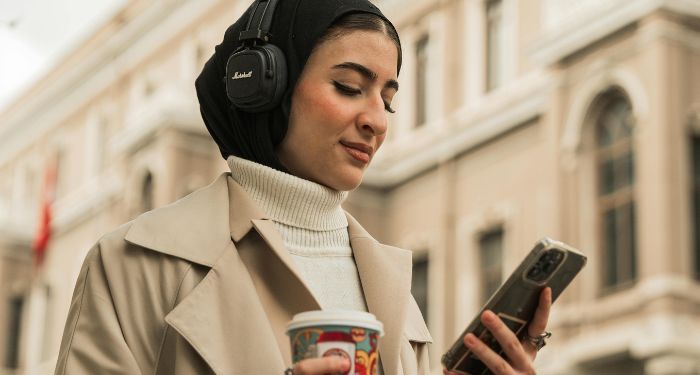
[(256, 73), (258, 27)]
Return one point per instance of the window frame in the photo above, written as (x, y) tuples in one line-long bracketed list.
[(626, 272)]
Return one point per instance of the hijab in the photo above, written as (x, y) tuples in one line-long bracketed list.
[(296, 27)]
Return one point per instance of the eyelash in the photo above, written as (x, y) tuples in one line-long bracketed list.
[(349, 91)]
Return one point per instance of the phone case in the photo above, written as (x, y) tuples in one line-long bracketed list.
[(550, 263)]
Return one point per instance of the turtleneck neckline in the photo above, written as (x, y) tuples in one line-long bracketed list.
[(289, 199)]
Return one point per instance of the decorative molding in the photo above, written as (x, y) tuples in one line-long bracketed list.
[(663, 332), (86, 201), (628, 301), (578, 34), (669, 30), (166, 109), (15, 235), (501, 111), (132, 44), (597, 83)]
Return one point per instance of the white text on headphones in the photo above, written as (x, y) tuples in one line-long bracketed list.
[(239, 75)]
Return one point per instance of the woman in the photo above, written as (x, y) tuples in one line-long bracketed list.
[(207, 284)]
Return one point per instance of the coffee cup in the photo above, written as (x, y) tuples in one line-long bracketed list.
[(353, 335)]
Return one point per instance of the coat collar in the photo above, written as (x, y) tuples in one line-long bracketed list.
[(202, 215), (385, 275)]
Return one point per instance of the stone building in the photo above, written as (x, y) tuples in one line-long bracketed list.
[(577, 120)]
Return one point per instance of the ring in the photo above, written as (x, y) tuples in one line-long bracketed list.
[(289, 371), (538, 342)]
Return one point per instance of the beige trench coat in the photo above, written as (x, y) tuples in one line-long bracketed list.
[(171, 293)]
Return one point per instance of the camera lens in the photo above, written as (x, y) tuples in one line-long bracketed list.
[(544, 266)]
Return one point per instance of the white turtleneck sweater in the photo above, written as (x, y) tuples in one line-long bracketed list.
[(314, 229)]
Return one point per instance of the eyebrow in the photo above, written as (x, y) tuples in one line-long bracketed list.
[(367, 73)]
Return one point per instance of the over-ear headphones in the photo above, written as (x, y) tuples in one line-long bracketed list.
[(256, 73)]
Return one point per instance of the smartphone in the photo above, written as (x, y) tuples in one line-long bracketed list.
[(551, 264)]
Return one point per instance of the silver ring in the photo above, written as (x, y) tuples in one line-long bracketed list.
[(289, 371), (538, 342)]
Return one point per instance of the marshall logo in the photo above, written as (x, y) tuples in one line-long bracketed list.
[(239, 75)]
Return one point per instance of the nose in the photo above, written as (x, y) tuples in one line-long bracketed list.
[(372, 118)]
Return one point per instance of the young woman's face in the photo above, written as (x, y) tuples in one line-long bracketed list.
[(338, 118)]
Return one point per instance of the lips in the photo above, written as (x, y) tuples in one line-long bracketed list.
[(360, 151)]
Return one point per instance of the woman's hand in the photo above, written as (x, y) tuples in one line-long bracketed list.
[(321, 366), (520, 354)]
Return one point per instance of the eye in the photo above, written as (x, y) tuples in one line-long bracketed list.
[(346, 90), (349, 91)]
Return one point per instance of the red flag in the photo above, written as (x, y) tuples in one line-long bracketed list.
[(43, 233)]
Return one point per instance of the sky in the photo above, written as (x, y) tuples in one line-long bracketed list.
[(34, 34)]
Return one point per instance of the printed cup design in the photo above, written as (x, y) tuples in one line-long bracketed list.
[(353, 340)]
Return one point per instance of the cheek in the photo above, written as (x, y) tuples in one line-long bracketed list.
[(321, 106)]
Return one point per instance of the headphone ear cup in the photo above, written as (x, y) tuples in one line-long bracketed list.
[(279, 71), (256, 78)]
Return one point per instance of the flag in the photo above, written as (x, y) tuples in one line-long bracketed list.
[(43, 232)]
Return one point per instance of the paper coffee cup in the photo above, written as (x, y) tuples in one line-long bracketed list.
[(350, 334)]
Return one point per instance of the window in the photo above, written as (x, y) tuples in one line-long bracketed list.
[(696, 202), (615, 168), (494, 44), (147, 193), (419, 284), (421, 105), (13, 331), (490, 263)]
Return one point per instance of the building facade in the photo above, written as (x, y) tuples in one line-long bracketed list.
[(577, 120)]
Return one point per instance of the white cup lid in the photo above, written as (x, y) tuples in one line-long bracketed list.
[(336, 318)]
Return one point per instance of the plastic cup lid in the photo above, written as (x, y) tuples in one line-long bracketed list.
[(336, 318)]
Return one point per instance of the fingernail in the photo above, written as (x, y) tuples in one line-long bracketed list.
[(487, 316), (470, 339)]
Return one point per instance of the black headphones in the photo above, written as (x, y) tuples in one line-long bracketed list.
[(256, 73)]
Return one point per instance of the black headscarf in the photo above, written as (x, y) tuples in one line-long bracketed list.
[(296, 27)]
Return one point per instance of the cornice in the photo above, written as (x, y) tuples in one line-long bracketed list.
[(86, 201), (497, 113), (574, 36), (166, 110), (665, 331), (15, 234)]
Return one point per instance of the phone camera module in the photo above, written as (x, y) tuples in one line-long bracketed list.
[(544, 267)]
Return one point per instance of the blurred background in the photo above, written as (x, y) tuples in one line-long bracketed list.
[(516, 119)]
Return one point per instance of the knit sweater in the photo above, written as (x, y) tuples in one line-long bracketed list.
[(314, 229)]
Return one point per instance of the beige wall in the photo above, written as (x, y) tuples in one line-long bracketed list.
[(519, 157)]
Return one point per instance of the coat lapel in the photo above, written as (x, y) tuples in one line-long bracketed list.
[(254, 277), (385, 274), (225, 323)]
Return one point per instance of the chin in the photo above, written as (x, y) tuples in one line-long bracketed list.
[(345, 183)]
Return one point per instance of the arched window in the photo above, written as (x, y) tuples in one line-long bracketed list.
[(614, 127), (147, 193)]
